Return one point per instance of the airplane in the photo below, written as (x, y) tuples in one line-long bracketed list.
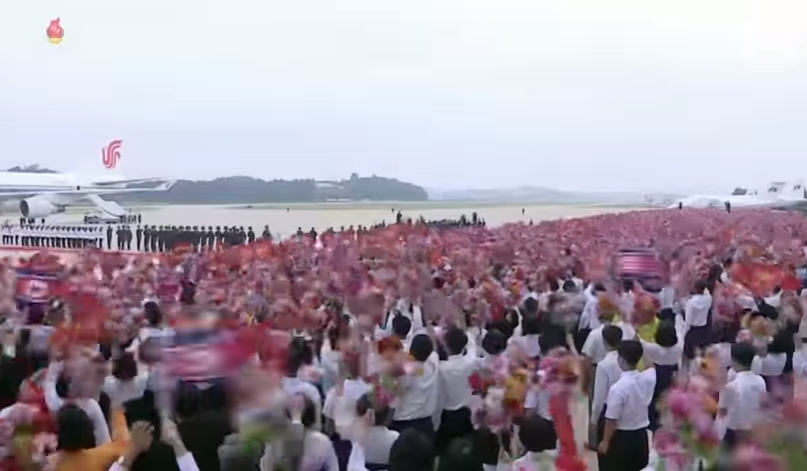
[(779, 195), (44, 194)]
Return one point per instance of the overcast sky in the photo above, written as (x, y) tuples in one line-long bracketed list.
[(572, 94)]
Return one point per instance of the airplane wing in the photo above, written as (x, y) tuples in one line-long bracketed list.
[(165, 186), (134, 181)]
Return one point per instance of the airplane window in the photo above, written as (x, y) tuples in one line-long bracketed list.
[(78, 188), (773, 189)]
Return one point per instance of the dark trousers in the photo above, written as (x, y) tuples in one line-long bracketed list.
[(629, 450), (696, 338), (342, 448), (580, 338), (453, 424), (424, 426), (732, 438)]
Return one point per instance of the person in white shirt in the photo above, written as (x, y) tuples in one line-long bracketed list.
[(401, 327), (665, 354), (697, 334), (538, 437), (741, 399), (606, 375), (128, 381), (625, 445), (771, 364), (594, 349), (455, 390), (299, 353), (800, 357), (417, 401), (589, 319), (378, 439), (528, 342), (319, 453)]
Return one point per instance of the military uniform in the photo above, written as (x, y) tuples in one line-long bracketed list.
[(146, 238), (109, 237)]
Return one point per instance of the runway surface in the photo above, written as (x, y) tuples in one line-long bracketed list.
[(283, 222)]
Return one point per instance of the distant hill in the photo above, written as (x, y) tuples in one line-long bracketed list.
[(548, 195), (243, 189), (30, 169)]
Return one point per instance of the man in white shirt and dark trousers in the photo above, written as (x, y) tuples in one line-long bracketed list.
[(417, 402), (455, 421), (741, 399), (696, 321), (607, 374), (625, 445), (379, 439)]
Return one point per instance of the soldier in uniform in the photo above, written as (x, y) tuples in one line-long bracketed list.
[(196, 238), (250, 235), (163, 234), (109, 237), (146, 238), (219, 235), (229, 236), (119, 237), (129, 237), (138, 237), (313, 234), (267, 234), (211, 238), (242, 236), (36, 231)]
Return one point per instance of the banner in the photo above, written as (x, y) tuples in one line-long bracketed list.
[(201, 356), (37, 287)]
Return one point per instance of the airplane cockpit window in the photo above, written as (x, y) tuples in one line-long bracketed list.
[(773, 189)]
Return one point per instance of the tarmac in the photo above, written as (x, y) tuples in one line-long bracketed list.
[(284, 221)]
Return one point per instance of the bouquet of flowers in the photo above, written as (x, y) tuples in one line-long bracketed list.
[(491, 399), (688, 432), (644, 318), (781, 434), (559, 376), (25, 438)]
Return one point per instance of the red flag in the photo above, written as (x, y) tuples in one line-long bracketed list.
[(759, 278)]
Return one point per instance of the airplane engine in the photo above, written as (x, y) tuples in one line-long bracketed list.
[(38, 207)]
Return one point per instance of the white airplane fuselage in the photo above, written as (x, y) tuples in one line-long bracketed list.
[(779, 195), (42, 194)]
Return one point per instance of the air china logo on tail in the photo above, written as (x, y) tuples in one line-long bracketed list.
[(111, 154)]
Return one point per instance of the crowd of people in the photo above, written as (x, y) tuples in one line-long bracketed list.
[(413, 347), (166, 238)]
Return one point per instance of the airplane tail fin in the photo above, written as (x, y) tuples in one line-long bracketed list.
[(797, 190), (110, 155), (776, 190)]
